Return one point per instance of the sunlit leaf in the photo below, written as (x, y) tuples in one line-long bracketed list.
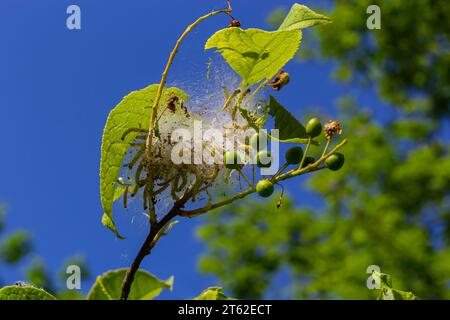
[(145, 286), (255, 54), (387, 292), (24, 293), (132, 112), (213, 293), (301, 17), (120, 190), (70, 295)]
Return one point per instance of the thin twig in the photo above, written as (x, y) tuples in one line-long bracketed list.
[(305, 153), (326, 147), (144, 251), (245, 178)]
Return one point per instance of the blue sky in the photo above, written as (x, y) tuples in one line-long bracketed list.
[(57, 87)]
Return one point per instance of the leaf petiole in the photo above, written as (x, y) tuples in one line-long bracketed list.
[(305, 154)]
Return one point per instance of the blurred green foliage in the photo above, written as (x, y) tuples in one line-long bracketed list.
[(77, 260), (389, 206), (37, 274), (17, 250), (408, 58), (15, 246)]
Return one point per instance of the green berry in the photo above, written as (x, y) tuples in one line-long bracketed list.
[(264, 188), (231, 160), (294, 155), (313, 128), (308, 161), (256, 139), (264, 159), (335, 161)]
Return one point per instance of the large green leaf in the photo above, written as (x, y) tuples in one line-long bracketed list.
[(290, 129), (24, 293), (255, 54), (145, 286), (132, 112), (213, 293), (301, 17)]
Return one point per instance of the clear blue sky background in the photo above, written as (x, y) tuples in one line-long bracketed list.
[(57, 88)]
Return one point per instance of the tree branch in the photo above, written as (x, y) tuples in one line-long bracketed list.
[(145, 250), (290, 174)]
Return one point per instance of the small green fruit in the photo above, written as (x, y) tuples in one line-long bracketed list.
[(294, 155), (335, 161), (264, 159), (313, 128), (308, 161), (231, 160), (264, 188), (258, 141)]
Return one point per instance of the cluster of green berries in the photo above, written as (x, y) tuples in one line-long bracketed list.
[(314, 129), (293, 156)]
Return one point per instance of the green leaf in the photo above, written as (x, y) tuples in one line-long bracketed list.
[(255, 54), (290, 129), (389, 293), (120, 190), (15, 247), (145, 286), (132, 112), (70, 295), (393, 294), (37, 274), (403, 295), (301, 17), (213, 293), (385, 280), (24, 293)]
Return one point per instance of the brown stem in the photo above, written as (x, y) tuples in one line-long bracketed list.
[(145, 250)]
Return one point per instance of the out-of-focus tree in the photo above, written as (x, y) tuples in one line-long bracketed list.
[(38, 275), (407, 59), (389, 205), (15, 247), (17, 250)]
